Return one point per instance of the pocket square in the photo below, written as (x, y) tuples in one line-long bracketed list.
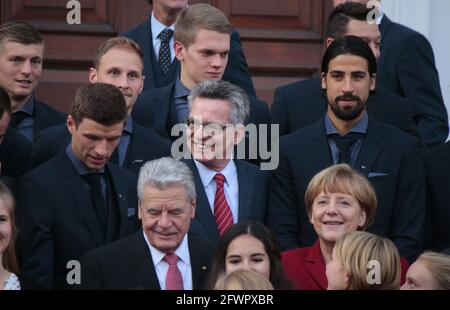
[(131, 212), (137, 161), (376, 174)]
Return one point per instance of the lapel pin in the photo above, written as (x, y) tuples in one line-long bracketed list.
[(204, 267), (121, 197)]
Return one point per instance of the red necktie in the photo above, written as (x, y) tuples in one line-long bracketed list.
[(222, 212), (174, 281)]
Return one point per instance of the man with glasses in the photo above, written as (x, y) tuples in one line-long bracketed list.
[(228, 190)]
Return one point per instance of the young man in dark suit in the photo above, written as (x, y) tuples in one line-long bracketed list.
[(77, 201), (389, 158), (150, 37), (202, 45), (302, 103), (217, 111), (118, 62), (21, 56), (407, 68), (162, 255)]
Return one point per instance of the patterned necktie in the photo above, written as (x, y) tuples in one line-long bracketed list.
[(174, 281), (164, 59), (344, 144), (222, 212)]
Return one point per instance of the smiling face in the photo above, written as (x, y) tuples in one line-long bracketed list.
[(121, 67), (205, 59), (334, 214), (247, 252), (166, 215), (92, 142), (211, 136), (20, 69), (347, 84)]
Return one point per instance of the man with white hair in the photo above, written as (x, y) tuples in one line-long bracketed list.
[(162, 255)]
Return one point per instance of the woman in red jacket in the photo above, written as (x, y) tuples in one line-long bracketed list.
[(338, 200)]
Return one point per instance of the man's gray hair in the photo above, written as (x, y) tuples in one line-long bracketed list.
[(222, 90), (166, 172)]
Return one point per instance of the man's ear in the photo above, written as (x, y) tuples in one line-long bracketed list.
[(93, 76), (178, 49), (323, 79), (239, 132), (329, 41), (373, 82), (70, 124)]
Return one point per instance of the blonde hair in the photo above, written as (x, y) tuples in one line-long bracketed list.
[(9, 258), (439, 266), (243, 280), (196, 17), (357, 249), (343, 179)]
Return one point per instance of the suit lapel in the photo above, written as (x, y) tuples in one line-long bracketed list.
[(371, 147), (80, 196), (137, 148), (203, 210), (162, 109), (315, 265), (199, 264), (320, 149), (384, 25), (149, 53), (142, 267), (245, 191), (118, 193)]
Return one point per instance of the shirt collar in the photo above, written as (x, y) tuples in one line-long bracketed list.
[(360, 126), (80, 166), (182, 251), (158, 27), (180, 89), (207, 175), (129, 126), (28, 107)]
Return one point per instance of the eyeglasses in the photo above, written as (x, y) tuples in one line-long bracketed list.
[(209, 128)]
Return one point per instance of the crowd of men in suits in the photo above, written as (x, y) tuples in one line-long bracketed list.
[(376, 105)]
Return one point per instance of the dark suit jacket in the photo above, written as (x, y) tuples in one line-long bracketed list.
[(389, 158), (58, 223), (14, 153), (437, 168), (305, 268), (407, 68), (45, 116), (144, 145), (302, 103), (99, 268), (236, 70), (252, 199)]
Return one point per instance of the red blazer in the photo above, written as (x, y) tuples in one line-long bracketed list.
[(305, 268)]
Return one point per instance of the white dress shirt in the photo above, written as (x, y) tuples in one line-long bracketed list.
[(157, 28), (184, 263), (231, 186)]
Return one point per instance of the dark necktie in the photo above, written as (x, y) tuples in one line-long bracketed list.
[(16, 118), (97, 198), (344, 144), (164, 59)]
